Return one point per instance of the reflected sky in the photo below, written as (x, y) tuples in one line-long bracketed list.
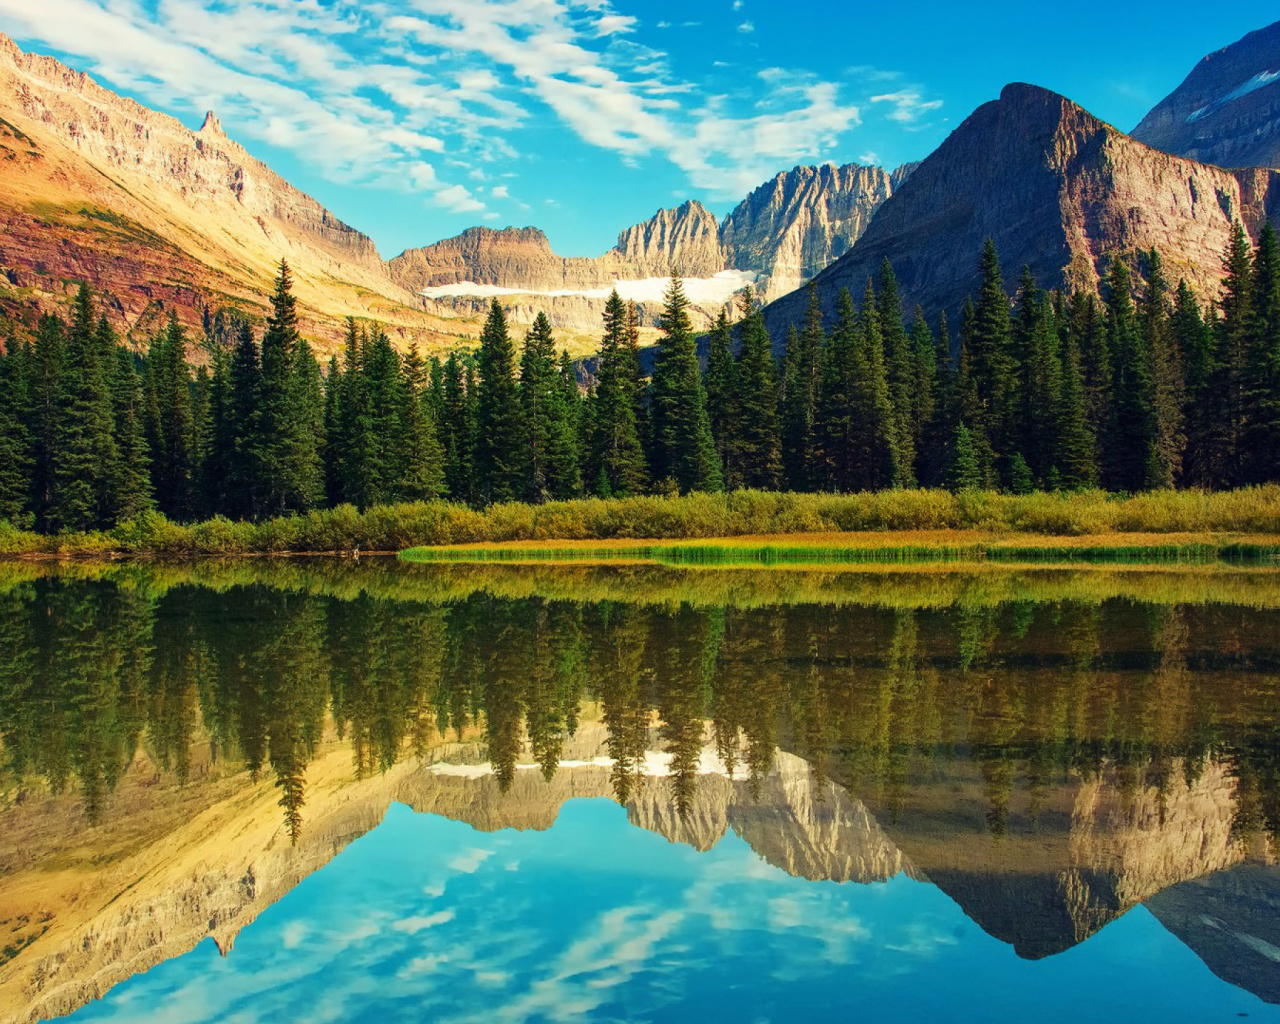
[(427, 919)]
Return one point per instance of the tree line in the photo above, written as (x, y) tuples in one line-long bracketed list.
[(873, 698), (1037, 390)]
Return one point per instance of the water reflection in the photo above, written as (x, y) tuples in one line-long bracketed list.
[(1050, 750)]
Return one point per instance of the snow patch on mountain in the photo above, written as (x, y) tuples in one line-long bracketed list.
[(701, 291)]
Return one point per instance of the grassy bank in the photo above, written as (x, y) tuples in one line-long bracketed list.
[(1249, 517)]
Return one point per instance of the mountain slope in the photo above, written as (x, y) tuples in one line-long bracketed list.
[(96, 187), (1059, 191), (1227, 111)]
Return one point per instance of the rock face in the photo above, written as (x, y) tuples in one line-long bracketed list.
[(96, 187), (685, 240), (793, 227), (1227, 112), (1059, 191)]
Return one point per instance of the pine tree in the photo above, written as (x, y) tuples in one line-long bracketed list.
[(290, 409), (246, 488), (1194, 341), (570, 445), (501, 454), (1133, 437), (551, 456), (759, 444), (422, 464), (201, 440), (1262, 371), (989, 343), (218, 465), (458, 427), (721, 383), (1168, 384), (44, 379), (1076, 460), (617, 464), (899, 372), (684, 451), (925, 404), (964, 472), (801, 378), (379, 382), (1089, 330), (131, 485), (169, 432), (83, 451), (1041, 387), (1231, 348), (17, 456)]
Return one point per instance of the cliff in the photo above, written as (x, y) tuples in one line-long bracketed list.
[(1059, 191), (95, 187), (1227, 111)]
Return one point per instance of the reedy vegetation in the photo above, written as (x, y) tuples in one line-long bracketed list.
[(1041, 392)]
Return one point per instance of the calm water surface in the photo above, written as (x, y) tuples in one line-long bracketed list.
[(312, 791)]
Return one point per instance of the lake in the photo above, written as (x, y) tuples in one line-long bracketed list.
[(326, 791)]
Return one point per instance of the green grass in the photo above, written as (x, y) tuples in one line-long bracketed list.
[(1242, 524)]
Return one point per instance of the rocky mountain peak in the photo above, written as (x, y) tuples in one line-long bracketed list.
[(1227, 111), (685, 239), (1059, 191), (212, 125)]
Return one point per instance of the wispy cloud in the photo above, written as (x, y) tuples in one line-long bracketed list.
[(416, 95), (909, 106)]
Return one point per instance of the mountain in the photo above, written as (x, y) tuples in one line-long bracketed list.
[(795, 226), (1059, 191), (1227, 111), (782, 234), (96, 187)]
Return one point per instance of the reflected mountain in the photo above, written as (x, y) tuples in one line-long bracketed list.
[(182, 748)]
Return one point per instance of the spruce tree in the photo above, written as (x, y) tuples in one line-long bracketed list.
[(290, 409), (759, 444), (801, 379), (963, 470), (17, 456), (246, 487), (1194, 341), (1262, 371), (551, 454), (1231, 350), (900, 374), (684, 451), (422, 462), (570, 445), (169, 433), (721, 383), (617, 464), (44, 379), (1132, 442), (1076, 461), (925, 403), (84, 454), (1039, 445), (131, 485), (458, 427), (989, 342), (1168, 383), (218, 465), (501, 455)]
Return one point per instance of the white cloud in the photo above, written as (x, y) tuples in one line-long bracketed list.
[(908, 105), (747, 27), (419, 923), (380, 93), (469, 861), (500, 192), (871, 157)]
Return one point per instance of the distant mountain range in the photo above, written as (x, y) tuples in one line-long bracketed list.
[(782, 234), (96, 187)]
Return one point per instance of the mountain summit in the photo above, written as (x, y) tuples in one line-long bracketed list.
[(1060, 192), (1227, 111)]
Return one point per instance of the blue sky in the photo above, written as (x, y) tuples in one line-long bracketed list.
[(413, 119), (595, 919)]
